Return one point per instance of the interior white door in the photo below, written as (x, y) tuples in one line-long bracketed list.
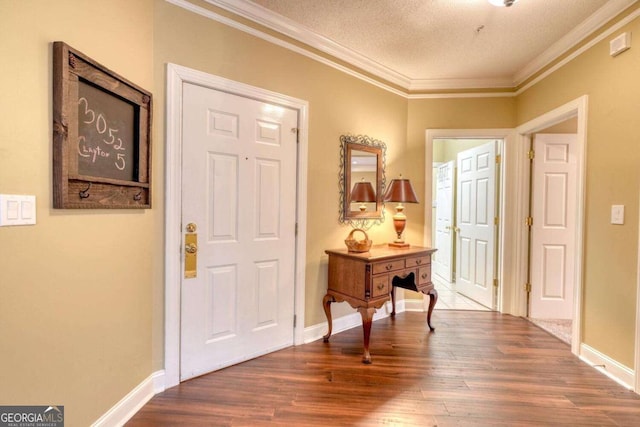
[(553, 233), (475, 213), (443, 265), (238, 187)]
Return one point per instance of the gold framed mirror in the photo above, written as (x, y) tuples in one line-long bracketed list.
[(362, 180)]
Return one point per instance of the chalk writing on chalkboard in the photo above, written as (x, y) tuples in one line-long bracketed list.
[(106, 135)]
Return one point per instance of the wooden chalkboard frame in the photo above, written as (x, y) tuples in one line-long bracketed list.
[(95, 188)]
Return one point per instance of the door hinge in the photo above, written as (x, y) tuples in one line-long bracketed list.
[(531, 154), (498, 158), (495, 220), (527, 287), (297, 132), (295, 320), (495, 283), (528, 221), (296, 230)]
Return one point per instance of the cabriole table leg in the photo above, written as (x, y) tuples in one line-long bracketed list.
[(367, 319), (326, 303), (433, 298)]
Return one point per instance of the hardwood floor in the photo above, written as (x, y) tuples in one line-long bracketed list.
[(476, 369)]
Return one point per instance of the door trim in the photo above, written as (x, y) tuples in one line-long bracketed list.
[(507, 136), (176, 76), (636, 367), (577, 107)]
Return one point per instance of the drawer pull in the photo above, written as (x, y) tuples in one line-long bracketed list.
[(424, 275), (418, 261), (380, 286), (388, 267)]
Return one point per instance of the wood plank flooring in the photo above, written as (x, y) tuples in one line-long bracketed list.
[(476, 369)]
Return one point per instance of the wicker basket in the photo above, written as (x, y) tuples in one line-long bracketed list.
[(357, 245)]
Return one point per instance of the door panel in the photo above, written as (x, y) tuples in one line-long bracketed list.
[(443, 259), (553, 231), (239, 163), (475, 220)]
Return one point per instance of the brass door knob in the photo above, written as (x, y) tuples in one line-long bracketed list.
[(191, 248)]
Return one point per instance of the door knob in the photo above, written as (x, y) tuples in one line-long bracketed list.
[(191, 248)]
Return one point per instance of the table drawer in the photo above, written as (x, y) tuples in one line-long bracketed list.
[(424, 274), (387, 266), (380, 286), (418, 261)]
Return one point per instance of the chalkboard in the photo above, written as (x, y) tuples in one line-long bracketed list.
[(101, 135), (105, 135)]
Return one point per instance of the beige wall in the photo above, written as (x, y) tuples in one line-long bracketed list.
[(445, 150), (611, 251), (75, 312), (82, 304)]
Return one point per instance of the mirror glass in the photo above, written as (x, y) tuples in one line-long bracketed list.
[(362, 180)]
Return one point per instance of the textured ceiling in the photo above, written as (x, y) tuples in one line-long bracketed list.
[(445, 40)]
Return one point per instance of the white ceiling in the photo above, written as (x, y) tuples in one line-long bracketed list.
[(436, 44)]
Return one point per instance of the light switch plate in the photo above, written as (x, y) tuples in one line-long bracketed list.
[(617, 214), (17, 209)]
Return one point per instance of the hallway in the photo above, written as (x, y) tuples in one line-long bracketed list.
[(450, 299)]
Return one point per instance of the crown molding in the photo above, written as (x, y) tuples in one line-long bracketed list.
[(289, 28), (301, 33), (603, 15), (457, 84), (608, 32), (461, 95), (187, 5)]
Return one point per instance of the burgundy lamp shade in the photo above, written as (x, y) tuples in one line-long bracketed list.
[(363, 192), (400, 191)]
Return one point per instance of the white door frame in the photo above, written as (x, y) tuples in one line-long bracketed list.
[(636, 367), (576, 108), (507, 135), (176, 76)]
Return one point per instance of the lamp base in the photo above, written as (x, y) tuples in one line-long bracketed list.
[(399, 245)]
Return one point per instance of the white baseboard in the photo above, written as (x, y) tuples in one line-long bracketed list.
[(614, 370), (133, 401)]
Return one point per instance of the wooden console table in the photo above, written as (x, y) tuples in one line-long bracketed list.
[(367, 280)]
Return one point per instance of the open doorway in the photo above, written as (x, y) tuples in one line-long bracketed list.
[(465, 194), (552, 227), (521, 195)]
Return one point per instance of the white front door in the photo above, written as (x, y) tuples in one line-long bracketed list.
[(238, 188), (475, 214), (554, 205), (443, 265)]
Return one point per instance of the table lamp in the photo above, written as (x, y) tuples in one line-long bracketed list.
[(400, 191)]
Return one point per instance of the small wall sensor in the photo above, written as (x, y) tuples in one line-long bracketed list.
[(620, 44)]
